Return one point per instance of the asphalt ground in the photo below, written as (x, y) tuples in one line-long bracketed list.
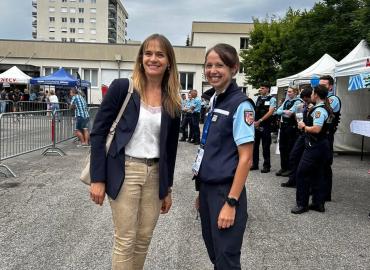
[(48, 222)]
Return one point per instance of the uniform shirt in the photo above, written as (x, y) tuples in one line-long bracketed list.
[(81, 107), (293, 109), (271, 103), (197, 104), (319, 115), (183, 104), (334, 102), (243, 132)]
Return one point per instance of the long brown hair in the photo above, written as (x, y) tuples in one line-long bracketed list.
[(171, 100), (322, 92)]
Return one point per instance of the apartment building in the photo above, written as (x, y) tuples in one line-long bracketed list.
[(208, 34), (101, 21)]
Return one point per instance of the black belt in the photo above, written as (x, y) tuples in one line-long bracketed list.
[(148, 161)]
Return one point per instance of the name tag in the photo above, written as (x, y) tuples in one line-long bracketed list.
[(198, 160), (267, 103), (220, 111), (214, 118)]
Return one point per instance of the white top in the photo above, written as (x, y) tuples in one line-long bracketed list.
[(53, 99), (144, 142)]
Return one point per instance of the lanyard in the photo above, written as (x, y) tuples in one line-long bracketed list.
[(207, 124)]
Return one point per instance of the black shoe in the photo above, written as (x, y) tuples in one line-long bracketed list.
[(191, 141), (286, 173), (288, 184), (328, 199), (279, 172), (182, 139), (197, 143), (317, 207), (253, 168), (265, 170), (299, 210)]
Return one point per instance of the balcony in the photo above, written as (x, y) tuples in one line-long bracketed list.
[(112, 25), (34, 14), (34, 34), (34, 3), (112, 40), (34, 23), (112, 8)]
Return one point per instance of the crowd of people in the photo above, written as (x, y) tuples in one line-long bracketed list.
[(308, 120)]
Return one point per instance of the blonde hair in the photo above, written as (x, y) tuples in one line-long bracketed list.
[(171, 100)]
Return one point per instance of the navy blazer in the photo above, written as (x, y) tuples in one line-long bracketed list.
[(110, 168)]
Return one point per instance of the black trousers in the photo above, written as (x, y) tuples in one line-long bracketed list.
[(328, 170), (295, 157), (265, 136), (288, 136), (223, 245), (310, 173), (195, 124), (186, 125)]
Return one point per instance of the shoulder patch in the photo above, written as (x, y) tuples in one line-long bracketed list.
[(317, 114), (248, 117)]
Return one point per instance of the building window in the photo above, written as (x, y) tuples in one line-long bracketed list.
[(93, 40), (81, 10), (93, 1), (92, 10), (64, 1), (72, 30), (91, 75), (80, 40), (49, 70), (186, 80), (244, 43), (51, 38), (72, 20), (72, 0), (51, 19), (241, 68), (93, 31), (64, 30), (64, 19), (52, 29), (72, 40), (93, 20), (81, 30), (72, 10), (71, 71), (64, 39), (64, 10), (51, 9), (81, 1), (81, 20)]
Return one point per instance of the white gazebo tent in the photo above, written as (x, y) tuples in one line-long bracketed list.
[(324, 66), (14, 76), (355, 104)]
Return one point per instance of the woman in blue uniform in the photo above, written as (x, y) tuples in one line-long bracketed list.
[(224, 159), (310, 172), (288, 128)]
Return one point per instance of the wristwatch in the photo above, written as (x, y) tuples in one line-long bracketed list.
[(232, 202)]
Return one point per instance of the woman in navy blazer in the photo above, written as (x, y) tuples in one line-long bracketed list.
[(137, 172)]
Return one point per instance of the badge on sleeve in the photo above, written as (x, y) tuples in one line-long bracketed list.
[(330, 100), (317, 114), (248, 117)]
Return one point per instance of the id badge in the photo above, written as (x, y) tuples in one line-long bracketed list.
[(267, 103), (198, 160)]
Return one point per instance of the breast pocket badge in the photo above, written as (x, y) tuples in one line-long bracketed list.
[(249, 117)]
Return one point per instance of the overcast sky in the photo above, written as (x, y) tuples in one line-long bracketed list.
[(172, 18)]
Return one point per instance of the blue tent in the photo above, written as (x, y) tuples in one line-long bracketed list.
[(59, 78)]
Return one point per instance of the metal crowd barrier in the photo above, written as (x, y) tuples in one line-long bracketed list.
[(6, 106), (25, 132), (22, 106)]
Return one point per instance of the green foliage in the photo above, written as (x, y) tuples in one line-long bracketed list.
[(285, 46)]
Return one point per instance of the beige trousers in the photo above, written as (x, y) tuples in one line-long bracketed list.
[(135, 213)]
